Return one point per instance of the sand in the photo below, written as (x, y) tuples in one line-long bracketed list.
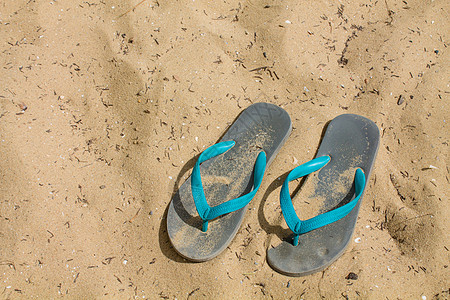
[(105, 104)]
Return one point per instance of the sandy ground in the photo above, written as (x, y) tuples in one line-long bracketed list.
[(105, 104)]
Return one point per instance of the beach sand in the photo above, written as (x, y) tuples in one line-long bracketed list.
[(104, 106)]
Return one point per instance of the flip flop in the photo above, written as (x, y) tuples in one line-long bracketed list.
[(347, 151), (207, 211)]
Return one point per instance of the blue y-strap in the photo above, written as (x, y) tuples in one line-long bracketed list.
[(207, 212), (293, 221)]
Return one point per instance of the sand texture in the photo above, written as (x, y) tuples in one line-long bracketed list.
[(105, 105)]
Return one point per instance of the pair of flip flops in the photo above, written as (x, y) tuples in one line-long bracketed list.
[(208, 209)]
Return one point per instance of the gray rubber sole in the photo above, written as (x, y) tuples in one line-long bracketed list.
[(260, 127), (352, 142)]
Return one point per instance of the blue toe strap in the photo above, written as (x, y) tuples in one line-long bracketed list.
[(207, 212), (293, 221)]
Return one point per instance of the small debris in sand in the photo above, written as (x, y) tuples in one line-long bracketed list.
[(401, 99), (352, 276), (23, 107), (429, 168)]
